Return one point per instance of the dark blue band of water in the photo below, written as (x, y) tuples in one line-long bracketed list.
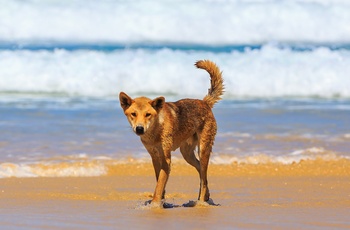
[(109, 47), (116, 46)]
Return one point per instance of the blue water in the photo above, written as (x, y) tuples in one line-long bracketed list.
[(171, 46), (41, 130)]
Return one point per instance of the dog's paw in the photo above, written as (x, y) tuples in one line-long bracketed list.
[(198, 203), (162, 204), (153, 205), (211, 202), (168, 205), (190, 204)]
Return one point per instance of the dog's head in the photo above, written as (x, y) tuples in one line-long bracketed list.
[(141, 112)]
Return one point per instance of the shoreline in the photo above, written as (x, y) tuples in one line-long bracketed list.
[(315, 167), (133, 181)]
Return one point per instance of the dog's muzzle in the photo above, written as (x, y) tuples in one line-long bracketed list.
[(139, 130)]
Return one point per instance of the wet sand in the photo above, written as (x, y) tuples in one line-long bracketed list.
[(307, 195)]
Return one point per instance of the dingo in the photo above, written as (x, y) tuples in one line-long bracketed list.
[(186, 124)]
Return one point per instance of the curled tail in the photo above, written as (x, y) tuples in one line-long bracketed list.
[(217, 83)]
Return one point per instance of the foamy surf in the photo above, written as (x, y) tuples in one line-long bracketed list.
[(267, 72), (105, 166), (86, 169), (297, 156), (128, 22)]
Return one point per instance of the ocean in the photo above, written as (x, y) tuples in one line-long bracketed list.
[(286, 66)]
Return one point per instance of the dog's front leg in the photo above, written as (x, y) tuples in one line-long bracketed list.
[(162, 176)]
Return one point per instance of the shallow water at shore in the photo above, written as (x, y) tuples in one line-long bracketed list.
[(85, 138)]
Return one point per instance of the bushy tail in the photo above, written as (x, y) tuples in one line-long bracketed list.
[(217, 83)]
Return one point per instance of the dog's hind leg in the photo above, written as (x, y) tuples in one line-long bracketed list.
[(187, 150), (206, 142)]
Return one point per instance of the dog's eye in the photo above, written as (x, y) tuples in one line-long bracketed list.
[(148, 114), (133, 114)]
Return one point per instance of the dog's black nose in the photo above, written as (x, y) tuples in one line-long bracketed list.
[(139, 130)]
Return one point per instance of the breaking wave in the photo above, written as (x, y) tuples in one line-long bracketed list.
[(83, 166), (267, 72)]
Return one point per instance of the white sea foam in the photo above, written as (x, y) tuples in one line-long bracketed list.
[(267, 72), (15, 170), (294, 157), (98, 166), (51, 170), (206, 22)]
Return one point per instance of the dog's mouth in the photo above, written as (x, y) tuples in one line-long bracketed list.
[(140, 130)]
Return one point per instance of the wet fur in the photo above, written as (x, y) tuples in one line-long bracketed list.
[(186, 124)]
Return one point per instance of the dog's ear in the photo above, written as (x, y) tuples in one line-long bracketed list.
[(158, 103), (125, 100)]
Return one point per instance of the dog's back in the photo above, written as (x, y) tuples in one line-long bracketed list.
[(186, 118)]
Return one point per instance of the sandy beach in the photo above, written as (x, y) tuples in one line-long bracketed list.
[(307, 195)]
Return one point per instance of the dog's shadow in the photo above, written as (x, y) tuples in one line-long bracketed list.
[(189, 204), (192, 203)]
